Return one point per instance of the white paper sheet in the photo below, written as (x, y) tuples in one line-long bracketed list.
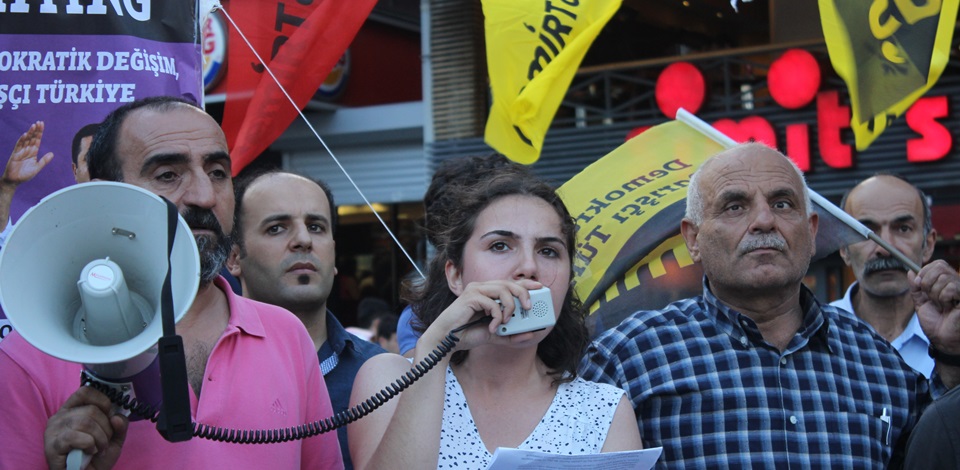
[(511, 459)]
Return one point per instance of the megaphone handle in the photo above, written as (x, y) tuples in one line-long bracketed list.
[(78, 459)]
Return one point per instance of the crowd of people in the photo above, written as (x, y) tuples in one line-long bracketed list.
[(755, 372)]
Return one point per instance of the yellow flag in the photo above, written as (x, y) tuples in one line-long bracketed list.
[(534, 47), (628, 206), (889, 52)]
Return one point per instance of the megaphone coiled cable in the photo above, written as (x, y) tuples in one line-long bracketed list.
[(272, 436)]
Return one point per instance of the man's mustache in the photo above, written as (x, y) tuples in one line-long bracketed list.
[(767, 241), (883, 263), (202, 219)]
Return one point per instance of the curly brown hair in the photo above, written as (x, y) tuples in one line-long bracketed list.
[(561, 350)]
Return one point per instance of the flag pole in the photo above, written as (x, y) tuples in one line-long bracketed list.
[(216, 5), (695, 122)]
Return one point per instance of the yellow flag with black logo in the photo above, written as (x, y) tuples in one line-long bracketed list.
[(534, 48), (889, 52), (628, 206)]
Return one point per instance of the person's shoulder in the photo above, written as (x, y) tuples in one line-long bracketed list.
[(27, 356), (385, 365), (271, 316), (22, 365), (670, 318), (935, 441), (950, 401), (848, 324), (363, 348), (860, 343), (596, 389), (841, 305), (838, 308), (278, 326)]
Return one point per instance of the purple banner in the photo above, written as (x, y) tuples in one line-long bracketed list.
[(69, 63)]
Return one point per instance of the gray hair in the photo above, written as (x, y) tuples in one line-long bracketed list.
[(694, 210)]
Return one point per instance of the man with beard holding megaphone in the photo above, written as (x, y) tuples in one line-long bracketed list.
[(249, 365)]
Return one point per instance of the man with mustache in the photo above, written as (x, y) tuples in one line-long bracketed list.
[(899, 213), (284, 255), (249, 365), (755, 372)]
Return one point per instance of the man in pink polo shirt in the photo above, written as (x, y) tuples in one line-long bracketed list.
[(249, 365)]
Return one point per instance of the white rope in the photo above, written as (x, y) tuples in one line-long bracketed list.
[(217, 5)]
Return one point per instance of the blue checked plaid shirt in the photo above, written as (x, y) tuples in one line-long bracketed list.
[(708, 388)]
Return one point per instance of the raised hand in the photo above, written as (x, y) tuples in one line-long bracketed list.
[(23, 164), (936, 296)]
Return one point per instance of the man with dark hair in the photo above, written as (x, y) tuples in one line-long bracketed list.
[(78, 151), (899, 213), (249, 365), (386, 335), (284, 255), (756, 373)]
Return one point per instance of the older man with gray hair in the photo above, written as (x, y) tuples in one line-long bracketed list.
[(755, 372)]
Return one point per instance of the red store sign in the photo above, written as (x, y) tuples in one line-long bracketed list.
[(794, 81)]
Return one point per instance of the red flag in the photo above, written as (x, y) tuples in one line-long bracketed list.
[(304, 41)]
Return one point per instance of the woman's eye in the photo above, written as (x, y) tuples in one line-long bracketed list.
[(550, 252), (499, 246)]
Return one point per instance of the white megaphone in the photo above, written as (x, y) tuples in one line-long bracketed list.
[(81, 277)]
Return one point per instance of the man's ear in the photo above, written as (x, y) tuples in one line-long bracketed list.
[(690, 232), (814, 226), (845, 254), (233, 262), (454, 279)]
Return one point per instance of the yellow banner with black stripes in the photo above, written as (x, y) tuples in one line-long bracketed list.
[(889, 52), (534, 48), (628, 206)]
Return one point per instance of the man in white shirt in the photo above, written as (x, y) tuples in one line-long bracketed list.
[(899, 213)]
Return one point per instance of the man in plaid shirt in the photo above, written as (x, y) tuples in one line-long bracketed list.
[(756, 373)]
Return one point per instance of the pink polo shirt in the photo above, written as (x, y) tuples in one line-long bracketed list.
[(262, 374)]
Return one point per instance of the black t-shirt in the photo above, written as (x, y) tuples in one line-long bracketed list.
[(935, 442)]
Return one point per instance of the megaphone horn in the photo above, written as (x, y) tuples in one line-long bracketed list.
[(81, 277)]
